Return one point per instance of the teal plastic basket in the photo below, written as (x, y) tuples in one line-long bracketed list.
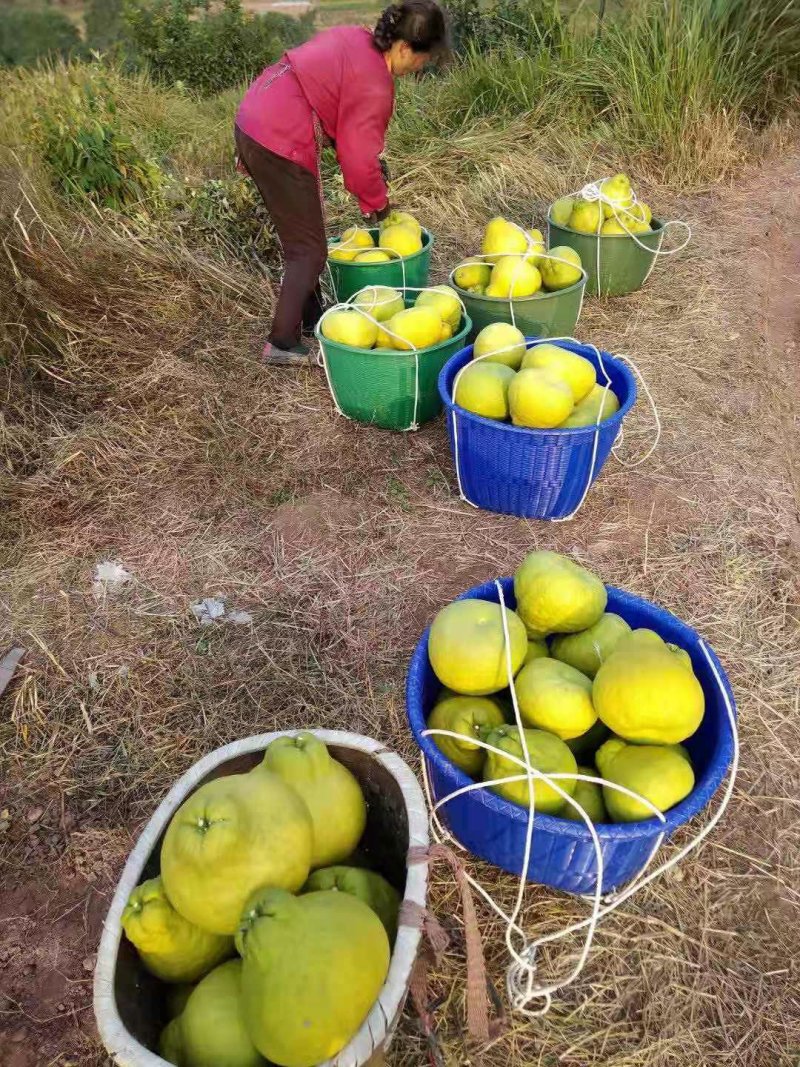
[(410, 272)]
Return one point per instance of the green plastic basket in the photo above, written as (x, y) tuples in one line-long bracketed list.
[(542, 315), (624, 264), (380, 386), (411, 272)]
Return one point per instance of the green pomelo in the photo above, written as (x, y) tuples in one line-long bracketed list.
[(590, 797), (556, 595), (170, 947), (313, 967), (177, 997), (213, 1025), (547, 753), (466, 716), (659, 773), (466, 646), (170, 1044), (590, 648), (330, 792), (556, 697), (367, 886), (231, 836)]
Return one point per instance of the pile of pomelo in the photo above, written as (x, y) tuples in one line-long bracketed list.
[(399, 236), (620, 213), (542, 387), (378, 318), (515, 263), (274, 943), (595, 697)]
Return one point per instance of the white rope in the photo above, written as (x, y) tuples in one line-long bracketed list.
[(522, 986), (529, 344), (592, 192), (350, 305)]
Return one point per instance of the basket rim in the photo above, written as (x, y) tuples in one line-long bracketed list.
[(465, 354), (394, 352), (534, 298), (427, 246), (700, 796), (377, 1026), (656, 229)]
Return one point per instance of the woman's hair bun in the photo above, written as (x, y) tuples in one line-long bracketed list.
[(420, 23)]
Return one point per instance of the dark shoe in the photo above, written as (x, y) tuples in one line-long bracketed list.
[(297, 356)]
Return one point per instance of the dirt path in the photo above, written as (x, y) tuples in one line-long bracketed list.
[(342, 542)]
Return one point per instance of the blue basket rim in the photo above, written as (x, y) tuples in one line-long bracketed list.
[(704, 788), (427, 245), (380, 352), (612, 421), (534, 299), (654, 222)]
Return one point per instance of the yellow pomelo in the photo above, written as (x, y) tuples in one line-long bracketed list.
[(229, 837), (513, 276), (599, 404), (329, 790), (379, 301), (443, 300), (611, 226), (466, 716), (536, 247), (170, 947), (414, 328), (557, 274), (213, 1030), (503, 238), (401, 218), (536, 650), (585, 746), (500, 342), (446, 332), (554, 696), (482, 388), (470, 276), (556, 595), (586, 217), (357, 237), (646, 694), (659, 773), (401, 239), (312, 969), (575, 371), (641, 212), (546, 752), (170, 1044), (538, 400), (590, 797), (383, 340), (342, 255), (561, 210), (590, 648), (618, 191), (374, 255), (349, 327), (367, 886), (466, 646)]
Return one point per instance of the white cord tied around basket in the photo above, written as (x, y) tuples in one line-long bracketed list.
[(596, 436), (593, 193), (522, 983), (349, 305)]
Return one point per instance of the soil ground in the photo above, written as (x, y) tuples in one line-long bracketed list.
[(342, 542)]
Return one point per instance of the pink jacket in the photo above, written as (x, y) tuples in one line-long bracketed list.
[(341, 78)]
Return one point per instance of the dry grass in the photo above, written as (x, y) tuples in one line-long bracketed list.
[(139, 427)]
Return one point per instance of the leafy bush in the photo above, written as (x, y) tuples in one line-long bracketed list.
[(183, 41), (26, 36), (526, 24), (229, 215), (88, 153), (104, 24)]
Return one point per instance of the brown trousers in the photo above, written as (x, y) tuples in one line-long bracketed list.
[(292, 196)]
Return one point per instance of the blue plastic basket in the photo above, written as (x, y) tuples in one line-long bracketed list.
[(563, 855), (535, 474)]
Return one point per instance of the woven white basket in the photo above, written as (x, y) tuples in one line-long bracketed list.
[(395, 801)]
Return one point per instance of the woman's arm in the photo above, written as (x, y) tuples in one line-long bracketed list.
[(364, 115)]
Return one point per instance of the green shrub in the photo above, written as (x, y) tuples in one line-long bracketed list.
[(526, 24), (229, 215), (183, 41), (27, 36), (88, 153), (104, 24)]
